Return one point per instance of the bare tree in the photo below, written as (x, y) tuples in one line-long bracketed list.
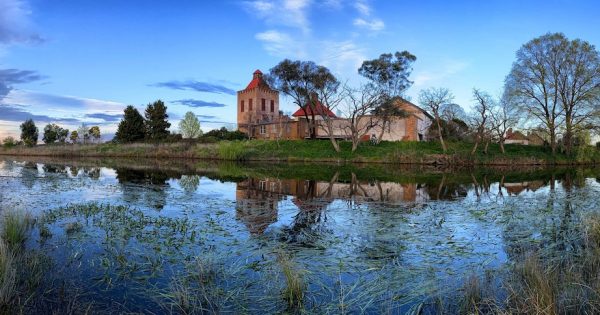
[(503, 116), (325, 100), (432, 100), (534, 80), (578, 86), (359, 103), (480, 121)]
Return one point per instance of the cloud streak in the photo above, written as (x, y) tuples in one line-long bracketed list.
[(17, 114), (192, 85), (198, 103), (105, 117), (9, 77)]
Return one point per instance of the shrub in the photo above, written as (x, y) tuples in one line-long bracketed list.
[(9, 142)]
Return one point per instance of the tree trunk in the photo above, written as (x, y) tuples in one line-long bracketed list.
[(444, 149), (553, 141), (475, 146), (568, 138), (334, 143), (502, 146), (487, 144), (382, 131)]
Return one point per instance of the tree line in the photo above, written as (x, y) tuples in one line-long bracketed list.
[(552, 90), (53, 133)]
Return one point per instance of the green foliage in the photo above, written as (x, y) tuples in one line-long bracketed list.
[(94, 133), (157, 125), (234, 150), (29, 133), (54, 133), (132, 128), (190, 126), (224, 134), (74, 136), (9, 142)]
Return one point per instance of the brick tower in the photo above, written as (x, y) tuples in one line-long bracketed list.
[(257, 103)]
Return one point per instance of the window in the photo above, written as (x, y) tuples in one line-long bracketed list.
[(272, 106), (242, 107), (262, 104), (263, 129), (250, 104)]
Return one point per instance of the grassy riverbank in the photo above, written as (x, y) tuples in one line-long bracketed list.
[(318, 151)]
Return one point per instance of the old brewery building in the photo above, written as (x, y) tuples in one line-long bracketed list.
[(259, 116)]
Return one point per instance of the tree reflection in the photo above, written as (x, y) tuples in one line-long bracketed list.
[(189, 183)]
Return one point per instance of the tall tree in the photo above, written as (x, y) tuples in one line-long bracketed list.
[(325, 99), (504, 116), (74, 136), (480, 118), (190, 126), (157, 125), (29, 133), (50, 133), (296, 79), (433, 100), (389, 74), (359, 103), (94, 133), (132, 127), (578, 87), (557, 81)]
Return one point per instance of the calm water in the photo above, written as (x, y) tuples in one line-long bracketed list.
[(151, 236)]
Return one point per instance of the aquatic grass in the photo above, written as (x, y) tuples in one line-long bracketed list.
[(294, 286), (8, 285), (14, 228)]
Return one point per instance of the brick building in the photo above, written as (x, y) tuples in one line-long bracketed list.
[(259, 116)]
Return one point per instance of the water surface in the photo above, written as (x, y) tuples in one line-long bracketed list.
[(169, 236)]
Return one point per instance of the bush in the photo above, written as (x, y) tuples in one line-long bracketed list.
[(224, 134), (9, 142), (598, 145)]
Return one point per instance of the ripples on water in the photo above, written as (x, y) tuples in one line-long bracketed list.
[(128, 236)]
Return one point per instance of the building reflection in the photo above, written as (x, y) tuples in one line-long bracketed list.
[(258, 199)]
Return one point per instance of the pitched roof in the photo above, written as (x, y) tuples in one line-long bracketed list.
[(405, 102), (257, 81), (319, 109), (516, 135)]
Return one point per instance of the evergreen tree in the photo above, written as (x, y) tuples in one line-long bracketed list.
[(132, 127), (29, 132), (157, 126)]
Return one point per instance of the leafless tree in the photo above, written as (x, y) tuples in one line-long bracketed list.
[(432, 100), (503, 116), (557, 82), (480, 118), (359, 102)]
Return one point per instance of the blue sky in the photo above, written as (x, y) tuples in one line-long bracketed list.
[(83, 61)]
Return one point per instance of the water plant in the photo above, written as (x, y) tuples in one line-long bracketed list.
[(294, 286), (14, 228), (7, 275)]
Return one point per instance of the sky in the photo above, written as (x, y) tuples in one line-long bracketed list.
[(74, 62)]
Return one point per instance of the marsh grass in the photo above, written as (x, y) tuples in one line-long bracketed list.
[(294, 285), (15, 227), (7, 275)]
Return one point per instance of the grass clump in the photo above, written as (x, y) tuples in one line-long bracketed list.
[(15, 226), (234, 150), (295, 287), (7, 275)]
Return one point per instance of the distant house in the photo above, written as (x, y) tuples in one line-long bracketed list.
[(517, 137), (259, 116)]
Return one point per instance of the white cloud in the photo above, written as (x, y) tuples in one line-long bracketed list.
[(362, 7), (449, 69), (373, 25), (15, 23), (342, 57), (281, 44), (290, 13)]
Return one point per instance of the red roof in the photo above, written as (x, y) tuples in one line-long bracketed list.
[(318, 110), (258, 81)]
